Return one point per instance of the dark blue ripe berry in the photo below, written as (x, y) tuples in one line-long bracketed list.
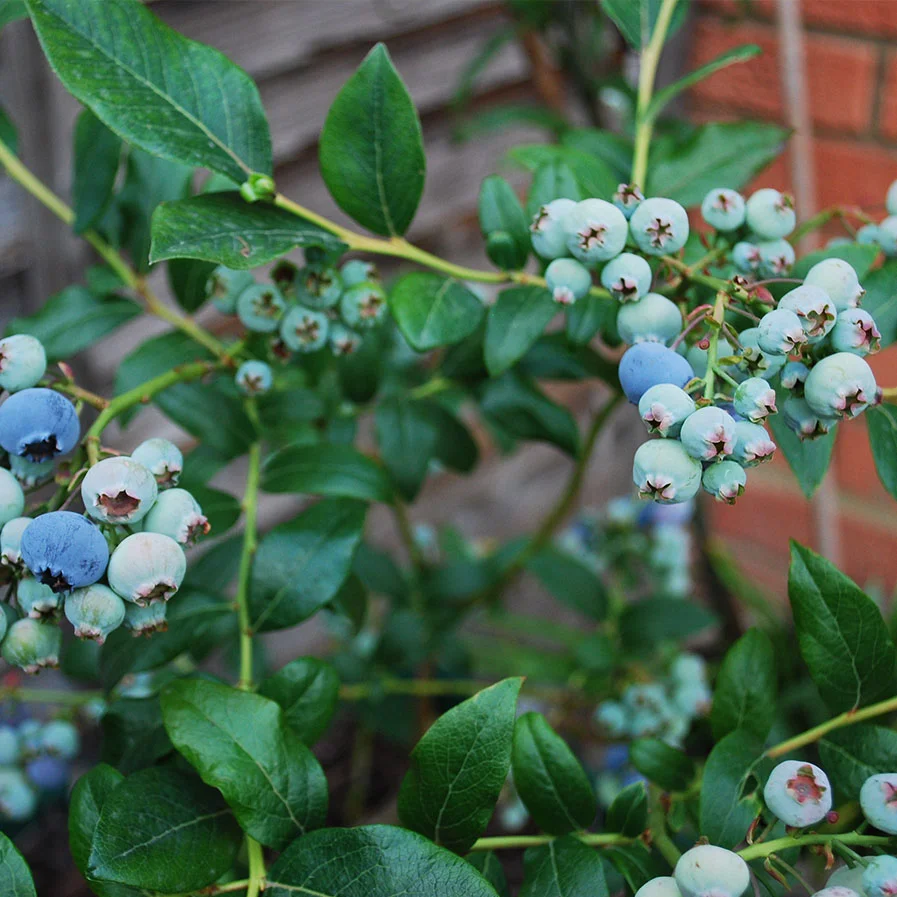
[(48, 773), (38, 424), (647, 364), (64, 550)]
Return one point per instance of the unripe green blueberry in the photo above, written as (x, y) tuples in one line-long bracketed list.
[(887, 236), (363, 306), (836, 891), (18, 800), (319, 287), (547, 228), (708, 433), (304, 330), (177, 514), (723, 209), (595, 231), (867, 235), (343, 341), (31, 473), (646, 723), (798, 793), (260, 308), (880, 877), (664, 886), (840, 385), (653, 318), (752, 444), (794, 373), (11, 542), (568, 280), (665, 472), (627, 277), (659, 226), (891, 199), (254, 378), (118, 490), (770, 214), (225, 285), (22, 362), (709, 871), (12, 498), (780, 332), (94, 612), (693, 700), (847, 877), (357, 271), (61, 739), (803, 420), (162, 458), (627, 199), (645, 696), (147, 567), (838, 280), (10, 750), (32, 645), (664, 407), (688, 668), (746, 257), (37, 600), (146, 620), (611, 718), (725, 481), (815, 309), (754, 360), (776, 257), (755, 399), (855, 331), (878, 798)]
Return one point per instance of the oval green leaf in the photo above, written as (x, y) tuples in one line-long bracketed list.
[(515, 322), (307, 690), (15, 876), (662, 764), (564, 867)]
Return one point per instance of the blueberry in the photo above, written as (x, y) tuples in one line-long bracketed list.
[(628, 198), (118, 490), (22, 362), (867, 235), (32, 645), (595, 230), (646, 696), (723, 209), (752, 444), (48, 773), (568, 281), (363, 306), (664, 407), (646, 723), (850, 877), (776, 257), (878, 799), (708, 433), (855, 332), (770, 214), (754, 360), (611, 718), (12, 498), (304, 330), (755, 399), (513, 815), (343, 341), (36, 600), (224, 287), (652, 318), (798, 793), (840, 385), (646, 364), (177, 514), (162, 458), (146, 620), (803, 420), (663, 471), (880, 877), (29, 736), (64, 550), (891, 199), (260, 308), (60, 738), (254, 378), (886, 236), (688, 669), (709, 871), (94, 612), (9, 746), (780, 332), (793, 374), (319, 287), (38, 424), (838, 280), (659, 226), (18, 800), (627, 277), (357, 271), (547, 228), (694, 699), (147, 567), (837, 891), (724, 481), (31, 473), (815, 309), (746, 257)]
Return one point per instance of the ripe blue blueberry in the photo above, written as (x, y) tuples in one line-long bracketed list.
[(162, 458), (64, 550), (752, 444), (304, 330), (709, 871), (61, 739), (611, 718), (708, 433), (798, 793), (22, 362), (343, 341), (319, 287), (31, 473), (177, 514), (746, 257), (838, 280), (776, 257), (855, 332), (886, 236), (595, 230), (815, 309), (147, 567), (723, 209), (626, 277), (357, 271), (840, 385), (568, 280), (94, 612), (118, 490), (146, 620), (36, 600), (664, 886), (755, 399), (724, 481), (18, 800), (10, 749), (803, 420), (363, 306), (260, 308), (627, 199), (659, 226), (224, 287), (32, 645), (652, 318), (254, 378), (880, 877), (878, 798), (38, 424), (663, 471), (794, 373), (770, 214), (780, 332), (547, 228), (754, 360), (646, 364), (48, 773), (12, 498), (664, 407)]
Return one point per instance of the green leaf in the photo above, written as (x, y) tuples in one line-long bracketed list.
[(664, 765), (628, 814), (648, 622), (240, 744), (133, 734), (300, 565), (97, 158), (459, 767), (841, 634), (744, 697), (881, 300), (455, 446), (722, 154), (307, 690), (351, 603), (407, 437), (490, 867), (371, 149), (372, 861), (222, 228), (851, 755), (586, 317), (155, 826), (549, 779), (594, 175), (614, 150), (551, 180), (882, 423), (12, 11), (501, 212), (187, 279), (636, 19), (171, 96), (734, 775), (515, 322), (326, 469), (222, 509), (570, 581), (432, 310), (73, 320), (479, 62), (564, 867), (636, 864), (15, 876), (8, 133)]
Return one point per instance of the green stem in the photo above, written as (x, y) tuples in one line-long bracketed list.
[(647, 72), (719, 315), (657, 824), (256, 867), (84, 395), (250, 542), (59, 696), (518, 842), (765, 849), (406, 533), (837, 722)]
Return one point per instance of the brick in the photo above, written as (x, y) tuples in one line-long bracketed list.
[(887, 119), (841, 76)]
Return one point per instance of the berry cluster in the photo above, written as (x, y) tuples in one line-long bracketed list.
[(302, 309)]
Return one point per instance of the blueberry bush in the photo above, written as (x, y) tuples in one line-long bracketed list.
[(623, 764)]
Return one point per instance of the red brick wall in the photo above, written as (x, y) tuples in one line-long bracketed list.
[(852, 84)]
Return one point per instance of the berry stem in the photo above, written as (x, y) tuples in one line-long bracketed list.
[(657, 824), (250, 541), (820, 219), (83, 395), (256, 867), (518, 842), (756, 851), (719, 316)]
